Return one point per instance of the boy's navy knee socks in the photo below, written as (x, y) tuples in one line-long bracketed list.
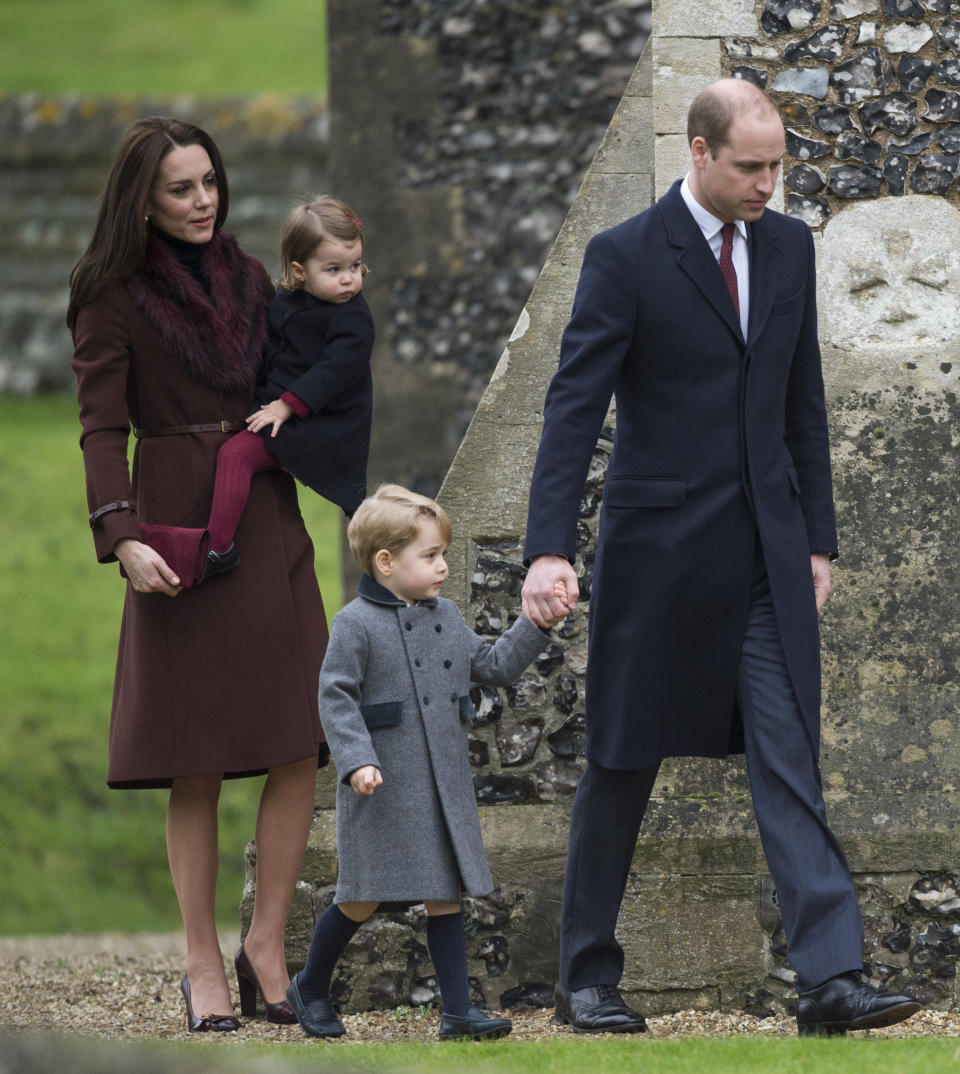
[(448, 950), (333, 932), (445, 940)]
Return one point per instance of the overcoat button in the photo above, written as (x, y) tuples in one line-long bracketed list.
[(446, 663), (416, 663), (409, 626), (426, 700), (453, 697), (438, 628)]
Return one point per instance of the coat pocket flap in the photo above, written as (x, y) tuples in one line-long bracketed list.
[(788, 304), (644, 492), (467, 711), (386, 714)]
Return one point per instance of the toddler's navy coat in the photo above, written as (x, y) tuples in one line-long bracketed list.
[(320, 351)]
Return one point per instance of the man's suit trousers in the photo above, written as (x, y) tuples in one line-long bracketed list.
[(817, 900)]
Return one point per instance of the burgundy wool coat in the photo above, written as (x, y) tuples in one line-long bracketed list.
[(222, 678)]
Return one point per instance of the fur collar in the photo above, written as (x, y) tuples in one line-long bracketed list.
[(219, 339)]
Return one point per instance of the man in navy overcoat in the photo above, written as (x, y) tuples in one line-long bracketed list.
[(713, 555)]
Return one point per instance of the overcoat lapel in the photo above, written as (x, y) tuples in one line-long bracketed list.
[(765, 262), (696, 259)]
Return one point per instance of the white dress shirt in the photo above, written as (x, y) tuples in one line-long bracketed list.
[(711, 227)]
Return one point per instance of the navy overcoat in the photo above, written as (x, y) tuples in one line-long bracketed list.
[(719, 442)]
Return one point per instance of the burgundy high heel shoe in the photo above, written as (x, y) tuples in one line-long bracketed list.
[(216, 1023), (248, 984)]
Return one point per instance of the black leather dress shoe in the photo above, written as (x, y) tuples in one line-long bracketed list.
[(220, 562), (474, 1025), (598, 1010), (845, 1002), (318, 1017)]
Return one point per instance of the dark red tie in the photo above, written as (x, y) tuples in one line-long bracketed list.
[(726, 265)]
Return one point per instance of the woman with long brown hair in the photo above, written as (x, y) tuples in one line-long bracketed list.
[(168, 317)]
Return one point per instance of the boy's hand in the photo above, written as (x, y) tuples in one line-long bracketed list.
[(275, 414), (365, 780)]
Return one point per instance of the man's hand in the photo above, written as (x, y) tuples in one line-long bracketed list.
[(366, 779), (542, 602), (820, 563)]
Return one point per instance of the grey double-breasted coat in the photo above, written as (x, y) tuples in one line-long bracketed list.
[(394, 693)]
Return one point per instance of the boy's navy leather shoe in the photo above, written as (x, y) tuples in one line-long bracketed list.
[(318, 1017), (474, 1025), (845, 1002)]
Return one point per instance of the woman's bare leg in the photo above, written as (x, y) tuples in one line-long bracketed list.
[(193, 853), (283, 824)]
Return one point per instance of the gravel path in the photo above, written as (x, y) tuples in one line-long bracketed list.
[(126, 987)]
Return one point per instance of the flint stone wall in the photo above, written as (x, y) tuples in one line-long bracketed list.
[(461, 131), (700, 924)]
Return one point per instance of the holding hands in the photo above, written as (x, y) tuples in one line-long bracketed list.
[(275, 414), (366, 779), (550, 591)]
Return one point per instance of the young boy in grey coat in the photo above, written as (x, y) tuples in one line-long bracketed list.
[(395, 707)]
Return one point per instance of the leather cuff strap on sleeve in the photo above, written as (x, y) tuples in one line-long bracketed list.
[(116, 505)]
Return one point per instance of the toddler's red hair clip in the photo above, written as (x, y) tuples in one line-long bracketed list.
[(357, 219)]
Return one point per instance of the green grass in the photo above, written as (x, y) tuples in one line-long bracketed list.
[(75, 855), (637, 1055), (732, 1055), (204, 47)]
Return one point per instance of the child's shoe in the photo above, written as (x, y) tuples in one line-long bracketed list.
[(318, 1017), (474, 1025), (220, 562)]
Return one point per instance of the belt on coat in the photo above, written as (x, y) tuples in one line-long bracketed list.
[(180, 430)]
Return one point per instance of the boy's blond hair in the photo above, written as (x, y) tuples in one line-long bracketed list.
[(390, 519)]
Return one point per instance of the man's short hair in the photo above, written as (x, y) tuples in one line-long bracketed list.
[(391, 519), (714, 109)]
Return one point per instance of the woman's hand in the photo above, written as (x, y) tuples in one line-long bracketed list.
[(146, 568), (366, 779), (275, 414)]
